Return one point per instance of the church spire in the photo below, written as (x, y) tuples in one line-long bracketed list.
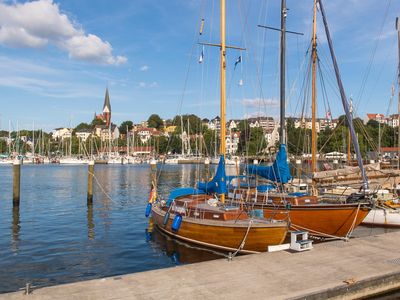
[(107, 108)]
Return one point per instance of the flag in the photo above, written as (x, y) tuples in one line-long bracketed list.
[(239, 59), (328, 114), (201, 58)]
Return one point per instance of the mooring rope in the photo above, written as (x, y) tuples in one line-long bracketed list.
[(348, 235), (241, 246), (102, 189)]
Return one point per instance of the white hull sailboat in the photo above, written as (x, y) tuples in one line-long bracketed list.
[(383, 216), (73, 161)]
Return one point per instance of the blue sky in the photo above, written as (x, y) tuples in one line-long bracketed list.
[(57, 58)]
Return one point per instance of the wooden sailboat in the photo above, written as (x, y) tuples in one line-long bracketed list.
[(306, 212), (200, 216)]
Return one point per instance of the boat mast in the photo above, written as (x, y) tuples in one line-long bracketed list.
[(282, 138), (127, 141), (344, 100), (223, 86), (314, 92), (398, 87), (223, 79), (33, 139)]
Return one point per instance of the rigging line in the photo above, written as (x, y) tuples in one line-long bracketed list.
[(323, 88), (330, 79), (293, 87), (305, 78), (180, 101), (379, 73), (332, 134), (371, 60), (391, 96)]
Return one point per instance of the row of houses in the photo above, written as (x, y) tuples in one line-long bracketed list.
[(391, 120)]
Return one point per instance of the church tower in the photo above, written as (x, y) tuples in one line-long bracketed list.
[(107, 109)]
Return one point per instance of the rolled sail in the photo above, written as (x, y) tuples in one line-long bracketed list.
[(218, 183), (278, 172)]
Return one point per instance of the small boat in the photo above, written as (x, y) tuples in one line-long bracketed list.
[(201, 216), (220, 227), (73, 161), (306, 212)]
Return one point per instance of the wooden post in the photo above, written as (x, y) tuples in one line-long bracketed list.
[(16, 181), (90, 182)]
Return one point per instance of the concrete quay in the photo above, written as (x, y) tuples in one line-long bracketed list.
[(337, 269)]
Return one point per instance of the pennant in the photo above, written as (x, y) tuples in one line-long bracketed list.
[(239, 60), (201, 58)]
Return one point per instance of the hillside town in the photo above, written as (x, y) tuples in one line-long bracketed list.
[(193, 135)]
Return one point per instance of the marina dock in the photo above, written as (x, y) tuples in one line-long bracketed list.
[(336, 269)]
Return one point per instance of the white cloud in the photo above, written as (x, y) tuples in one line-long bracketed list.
[(143, 84), (38, 23), (144, 68), (260, 103)]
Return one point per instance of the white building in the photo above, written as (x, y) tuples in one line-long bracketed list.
[(84, 134), (232, 142), (62, 133), (107, 133), (146, 133), (393, 120), (215, 124)]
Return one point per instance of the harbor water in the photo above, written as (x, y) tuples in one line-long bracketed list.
[(55, 237)]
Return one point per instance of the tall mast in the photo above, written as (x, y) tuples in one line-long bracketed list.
[(344, 100), (398, 87), (223, 79), (223, 87), (283, 64), (33, 139), (314, 92), (182, 146), (127, 141)]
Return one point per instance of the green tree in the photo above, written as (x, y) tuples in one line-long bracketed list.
[(124, 125), (83, 126), (154, 121), (96, 121)]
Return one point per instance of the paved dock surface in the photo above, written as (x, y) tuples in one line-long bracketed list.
[(331, 269)]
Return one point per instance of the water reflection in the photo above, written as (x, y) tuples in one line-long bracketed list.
[(150, 230), (90, 223), (16, 227), (59, 239), (181, 252)]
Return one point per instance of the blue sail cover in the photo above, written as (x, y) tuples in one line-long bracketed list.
[(218, 183), (178, 192), (278, 172)]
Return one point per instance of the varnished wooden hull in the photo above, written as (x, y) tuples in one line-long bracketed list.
[(320, 219), (223, 235)]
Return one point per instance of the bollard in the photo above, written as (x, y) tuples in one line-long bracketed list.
[(90, 183), (16, 181)]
